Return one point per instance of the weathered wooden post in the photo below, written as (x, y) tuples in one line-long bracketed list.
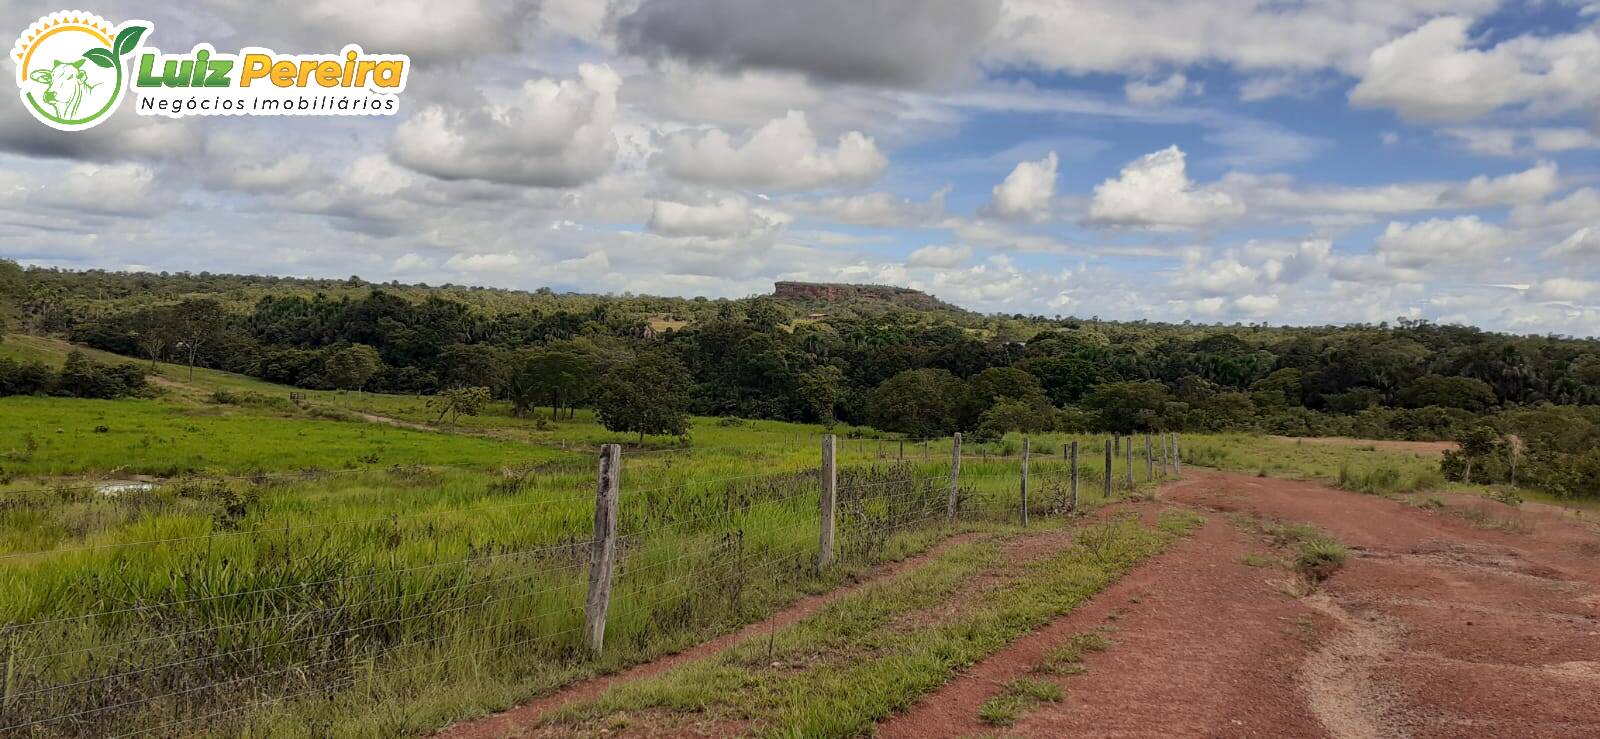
[(603, 549), (955, 475), (830, 484), (1149, 461), (1167, 463), (1074, 453), (1177, 454), (902, 448), (1127, 461), (1024, 481), (1109, 460), (1166, 452)]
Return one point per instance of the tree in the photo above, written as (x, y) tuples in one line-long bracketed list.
[(1477, 442), (648, 394), (766, 314), (195, 323), (1014, 415), (13, 285), (1465, 393), (1065, 378), (152, 330), (1284, 387), (352, 367), (554, 377), (922, 403), (1126, 407), (474, 365), (821, 390), (1005, 383), (459, 401)]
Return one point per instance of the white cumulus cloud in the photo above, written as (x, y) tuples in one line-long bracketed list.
[(1154, 191), (1027, 191), (784, 153), (548, 133), (1440, 241), (1435, 73), (940, 257)]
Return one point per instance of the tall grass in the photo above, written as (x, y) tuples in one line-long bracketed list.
[(301, 605)]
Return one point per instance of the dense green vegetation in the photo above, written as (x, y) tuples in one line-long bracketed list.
[(923, 372)]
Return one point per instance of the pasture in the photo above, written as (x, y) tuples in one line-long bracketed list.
[(303, 570)]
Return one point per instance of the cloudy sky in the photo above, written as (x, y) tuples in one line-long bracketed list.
[(1287, 161)]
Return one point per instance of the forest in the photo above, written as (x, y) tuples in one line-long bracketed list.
[(909, 369)]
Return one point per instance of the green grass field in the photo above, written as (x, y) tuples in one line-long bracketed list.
[(300, 571)]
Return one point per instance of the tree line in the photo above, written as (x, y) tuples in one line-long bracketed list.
[(919, 372)]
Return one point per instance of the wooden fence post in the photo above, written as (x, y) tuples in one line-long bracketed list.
[(1109, 460), (1177, 454), (1024, 481), (1127, 461), (603, 549), (1149, 461), (1166, 453), (830, 485), (1074, 476), (955, 475), (902, 448)]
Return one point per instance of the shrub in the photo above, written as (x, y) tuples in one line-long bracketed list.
[(24, 378), (247, 398), (82, 377), (1319, 557)]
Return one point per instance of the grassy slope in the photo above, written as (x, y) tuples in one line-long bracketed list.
[(179, 432)]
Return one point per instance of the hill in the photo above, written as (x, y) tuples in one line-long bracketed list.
[(814, 294)]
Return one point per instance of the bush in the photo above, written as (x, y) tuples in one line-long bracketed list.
[(1319, 557), (24, 378), (82, 377), (249, 398)]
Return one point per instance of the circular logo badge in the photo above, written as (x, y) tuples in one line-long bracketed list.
[(71, 69)]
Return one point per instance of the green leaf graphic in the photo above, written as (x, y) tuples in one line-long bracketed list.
[(101, 57), (128, 39)]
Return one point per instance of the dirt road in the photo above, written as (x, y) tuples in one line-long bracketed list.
[(1473, 620), (1465, 623)]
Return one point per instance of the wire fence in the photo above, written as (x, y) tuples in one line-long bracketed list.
[(239, 625)]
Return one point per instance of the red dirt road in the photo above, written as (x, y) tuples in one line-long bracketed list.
[(1436, 628), (1195, 635)]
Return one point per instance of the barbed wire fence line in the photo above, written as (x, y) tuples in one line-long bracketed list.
[(665, 558)]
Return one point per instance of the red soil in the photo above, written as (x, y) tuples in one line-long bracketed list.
[(1195, 635), (1436, 627)]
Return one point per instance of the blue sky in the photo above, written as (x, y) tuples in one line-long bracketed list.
[(1238, 160)]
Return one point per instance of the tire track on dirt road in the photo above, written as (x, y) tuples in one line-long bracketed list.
[(1436, 627)]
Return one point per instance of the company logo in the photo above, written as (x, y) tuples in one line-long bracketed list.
[(74, 68)]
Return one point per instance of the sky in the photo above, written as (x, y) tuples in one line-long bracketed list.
[(1257, 161)]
